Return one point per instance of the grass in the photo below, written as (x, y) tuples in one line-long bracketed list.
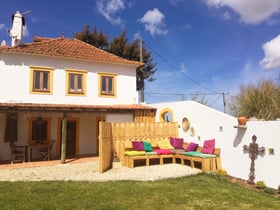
[(203, 191)]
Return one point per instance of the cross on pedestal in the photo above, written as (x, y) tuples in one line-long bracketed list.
[(253, 150)]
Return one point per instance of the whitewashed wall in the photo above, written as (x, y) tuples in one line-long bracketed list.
[(15, 81), (209, 123)]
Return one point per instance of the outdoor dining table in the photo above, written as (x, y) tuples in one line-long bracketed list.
[(36, 146)]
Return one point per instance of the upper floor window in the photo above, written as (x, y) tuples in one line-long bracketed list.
[(107, 84), (41, 80), (75, 82)]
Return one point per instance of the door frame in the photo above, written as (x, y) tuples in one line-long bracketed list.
[(59, 127)]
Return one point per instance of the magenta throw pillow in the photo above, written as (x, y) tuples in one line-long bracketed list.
[(177, 143), (138, 145), (191, 147), (208, 146)]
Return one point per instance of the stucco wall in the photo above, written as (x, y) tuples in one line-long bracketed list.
[(209, 123), (15, 81)]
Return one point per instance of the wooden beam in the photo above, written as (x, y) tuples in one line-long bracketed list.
[(63, 138)]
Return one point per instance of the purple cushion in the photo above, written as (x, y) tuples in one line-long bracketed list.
[(138, 145), (163, 151), (191, 147), (177, 143), (208, 146)]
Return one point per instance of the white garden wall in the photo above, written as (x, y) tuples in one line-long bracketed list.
[(209, 123)]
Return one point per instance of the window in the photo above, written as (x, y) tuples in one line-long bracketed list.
[(39, 130), (75, 82), (11, 127), (166, 115), (41, 80), (107, 84)]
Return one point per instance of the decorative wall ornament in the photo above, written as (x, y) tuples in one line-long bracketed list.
[(185, 124), (254, 150), (192, 131)]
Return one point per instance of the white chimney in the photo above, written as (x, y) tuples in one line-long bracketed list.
[(17, 28)]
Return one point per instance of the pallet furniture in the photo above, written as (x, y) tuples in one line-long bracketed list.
[(206, 164)]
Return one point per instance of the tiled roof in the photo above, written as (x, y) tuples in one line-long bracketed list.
[(71, 107), (68, 48)]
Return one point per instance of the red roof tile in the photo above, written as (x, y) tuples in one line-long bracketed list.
[(68, 48)]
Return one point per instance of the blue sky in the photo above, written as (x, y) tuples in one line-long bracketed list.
[(208, 47)]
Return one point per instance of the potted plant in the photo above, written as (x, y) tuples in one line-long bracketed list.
[(242, 120)]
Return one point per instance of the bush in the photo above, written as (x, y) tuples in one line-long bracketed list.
[(260, 184), (269, 190)]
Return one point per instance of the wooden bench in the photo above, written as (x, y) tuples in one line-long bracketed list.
[(208, 164), (130, 160)]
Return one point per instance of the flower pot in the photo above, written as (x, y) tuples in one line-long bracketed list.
[(242, 120)]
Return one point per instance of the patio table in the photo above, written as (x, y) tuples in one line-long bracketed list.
[(36, 146)]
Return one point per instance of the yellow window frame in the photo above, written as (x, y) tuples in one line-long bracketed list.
[(100, 84), (76, 92), (48, 70)]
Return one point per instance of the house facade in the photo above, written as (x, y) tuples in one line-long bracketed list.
[(52, 79)]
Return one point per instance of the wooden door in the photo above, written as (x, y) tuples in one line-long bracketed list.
[(71, 138)]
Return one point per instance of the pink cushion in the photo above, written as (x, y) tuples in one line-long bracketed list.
[(191, 147), (138, 145), (177, 143), (208, 146), (163, 151)]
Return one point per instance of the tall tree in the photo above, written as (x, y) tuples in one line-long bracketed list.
[(121, 46), (97, 39), (261, 101)]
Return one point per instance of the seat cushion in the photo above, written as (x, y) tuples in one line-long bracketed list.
[(135, 153), (163, 151)]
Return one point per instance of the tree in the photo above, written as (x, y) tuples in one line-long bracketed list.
[(120, 46), (97, 39), (261, 101)]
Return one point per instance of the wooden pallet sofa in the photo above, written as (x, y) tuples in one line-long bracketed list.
[(173, 150)]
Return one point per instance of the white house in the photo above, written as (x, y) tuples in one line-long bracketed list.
[(207, 123), (54, 78)]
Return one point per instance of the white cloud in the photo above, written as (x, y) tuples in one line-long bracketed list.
[(109, 9), (153, 22), (271, 54), (175, 2), (2, 25), (250, 11)]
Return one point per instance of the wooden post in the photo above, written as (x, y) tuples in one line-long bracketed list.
[(63, 138)]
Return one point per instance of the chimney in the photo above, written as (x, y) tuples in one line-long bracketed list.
[(17, 28)]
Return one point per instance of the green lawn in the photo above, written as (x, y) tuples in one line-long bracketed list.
[(203, 191)]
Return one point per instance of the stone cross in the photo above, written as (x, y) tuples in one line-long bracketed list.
[(253, 150)]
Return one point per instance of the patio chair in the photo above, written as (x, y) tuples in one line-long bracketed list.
[(45, 152), (18, 153)]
